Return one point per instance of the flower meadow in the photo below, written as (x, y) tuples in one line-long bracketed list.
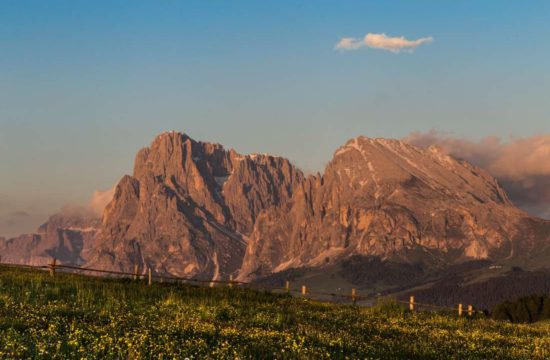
[(76, 317)]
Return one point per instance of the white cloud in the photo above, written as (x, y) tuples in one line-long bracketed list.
[(382, 41), (100, 199), (349, 44), (522, 165)]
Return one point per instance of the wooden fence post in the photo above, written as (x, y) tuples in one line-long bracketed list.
[(150, 282), (459, 309), (304, 290), (411, 303), (470, 310), (136, 269), (287, 286), (52, 267), (353, 296), (230, 280)]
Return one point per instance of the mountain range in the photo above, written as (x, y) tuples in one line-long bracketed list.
[(384, 216)]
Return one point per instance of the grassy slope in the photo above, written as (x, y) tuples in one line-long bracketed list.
[(74, 317)]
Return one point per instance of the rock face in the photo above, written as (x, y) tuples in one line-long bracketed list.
[(388, 199), (197, 210), (67, 238), (189, 206)]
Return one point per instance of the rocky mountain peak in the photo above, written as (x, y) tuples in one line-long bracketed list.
[(67, 236), (194, 199), (379, 164), (386, 198), (195, 209)]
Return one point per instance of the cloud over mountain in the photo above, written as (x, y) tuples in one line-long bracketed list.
[(383, 42), (100, 199), (522, 165)]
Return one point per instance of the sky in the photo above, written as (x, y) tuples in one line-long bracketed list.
[(85, 84)]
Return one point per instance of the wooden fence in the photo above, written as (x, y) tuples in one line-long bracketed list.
[(303, 291)]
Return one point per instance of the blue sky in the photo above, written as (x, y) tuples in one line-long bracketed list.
[(85, 84)]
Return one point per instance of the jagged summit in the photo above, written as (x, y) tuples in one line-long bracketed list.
[(389, 161), (386, 198), (67, 236), (190, 205), (193, 208)]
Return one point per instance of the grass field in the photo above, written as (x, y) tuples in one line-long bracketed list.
[(70, 316)]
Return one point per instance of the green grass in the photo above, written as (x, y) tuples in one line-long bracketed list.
[(80, 317)]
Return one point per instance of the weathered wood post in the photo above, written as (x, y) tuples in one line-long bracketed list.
[(136, 269), (53, 264), (353, 296), (230, 280), (304, 290), (470, 310), (287, 286), (459, 309), (150, 282), (411, 303)]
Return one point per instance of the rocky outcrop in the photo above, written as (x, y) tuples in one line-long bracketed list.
[(388, 199), (66, 237), (189, 206), (194, 209)]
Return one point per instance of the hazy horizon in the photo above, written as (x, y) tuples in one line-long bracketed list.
[(86, 85)]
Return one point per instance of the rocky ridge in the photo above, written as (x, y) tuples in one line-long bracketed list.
[(189, 207), (194, 209), (66, 237), (386, 198)]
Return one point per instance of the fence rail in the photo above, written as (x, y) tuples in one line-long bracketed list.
[(353, 297)]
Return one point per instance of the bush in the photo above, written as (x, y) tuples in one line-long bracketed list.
[(225, 313), (389, 306), (524, 310)]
